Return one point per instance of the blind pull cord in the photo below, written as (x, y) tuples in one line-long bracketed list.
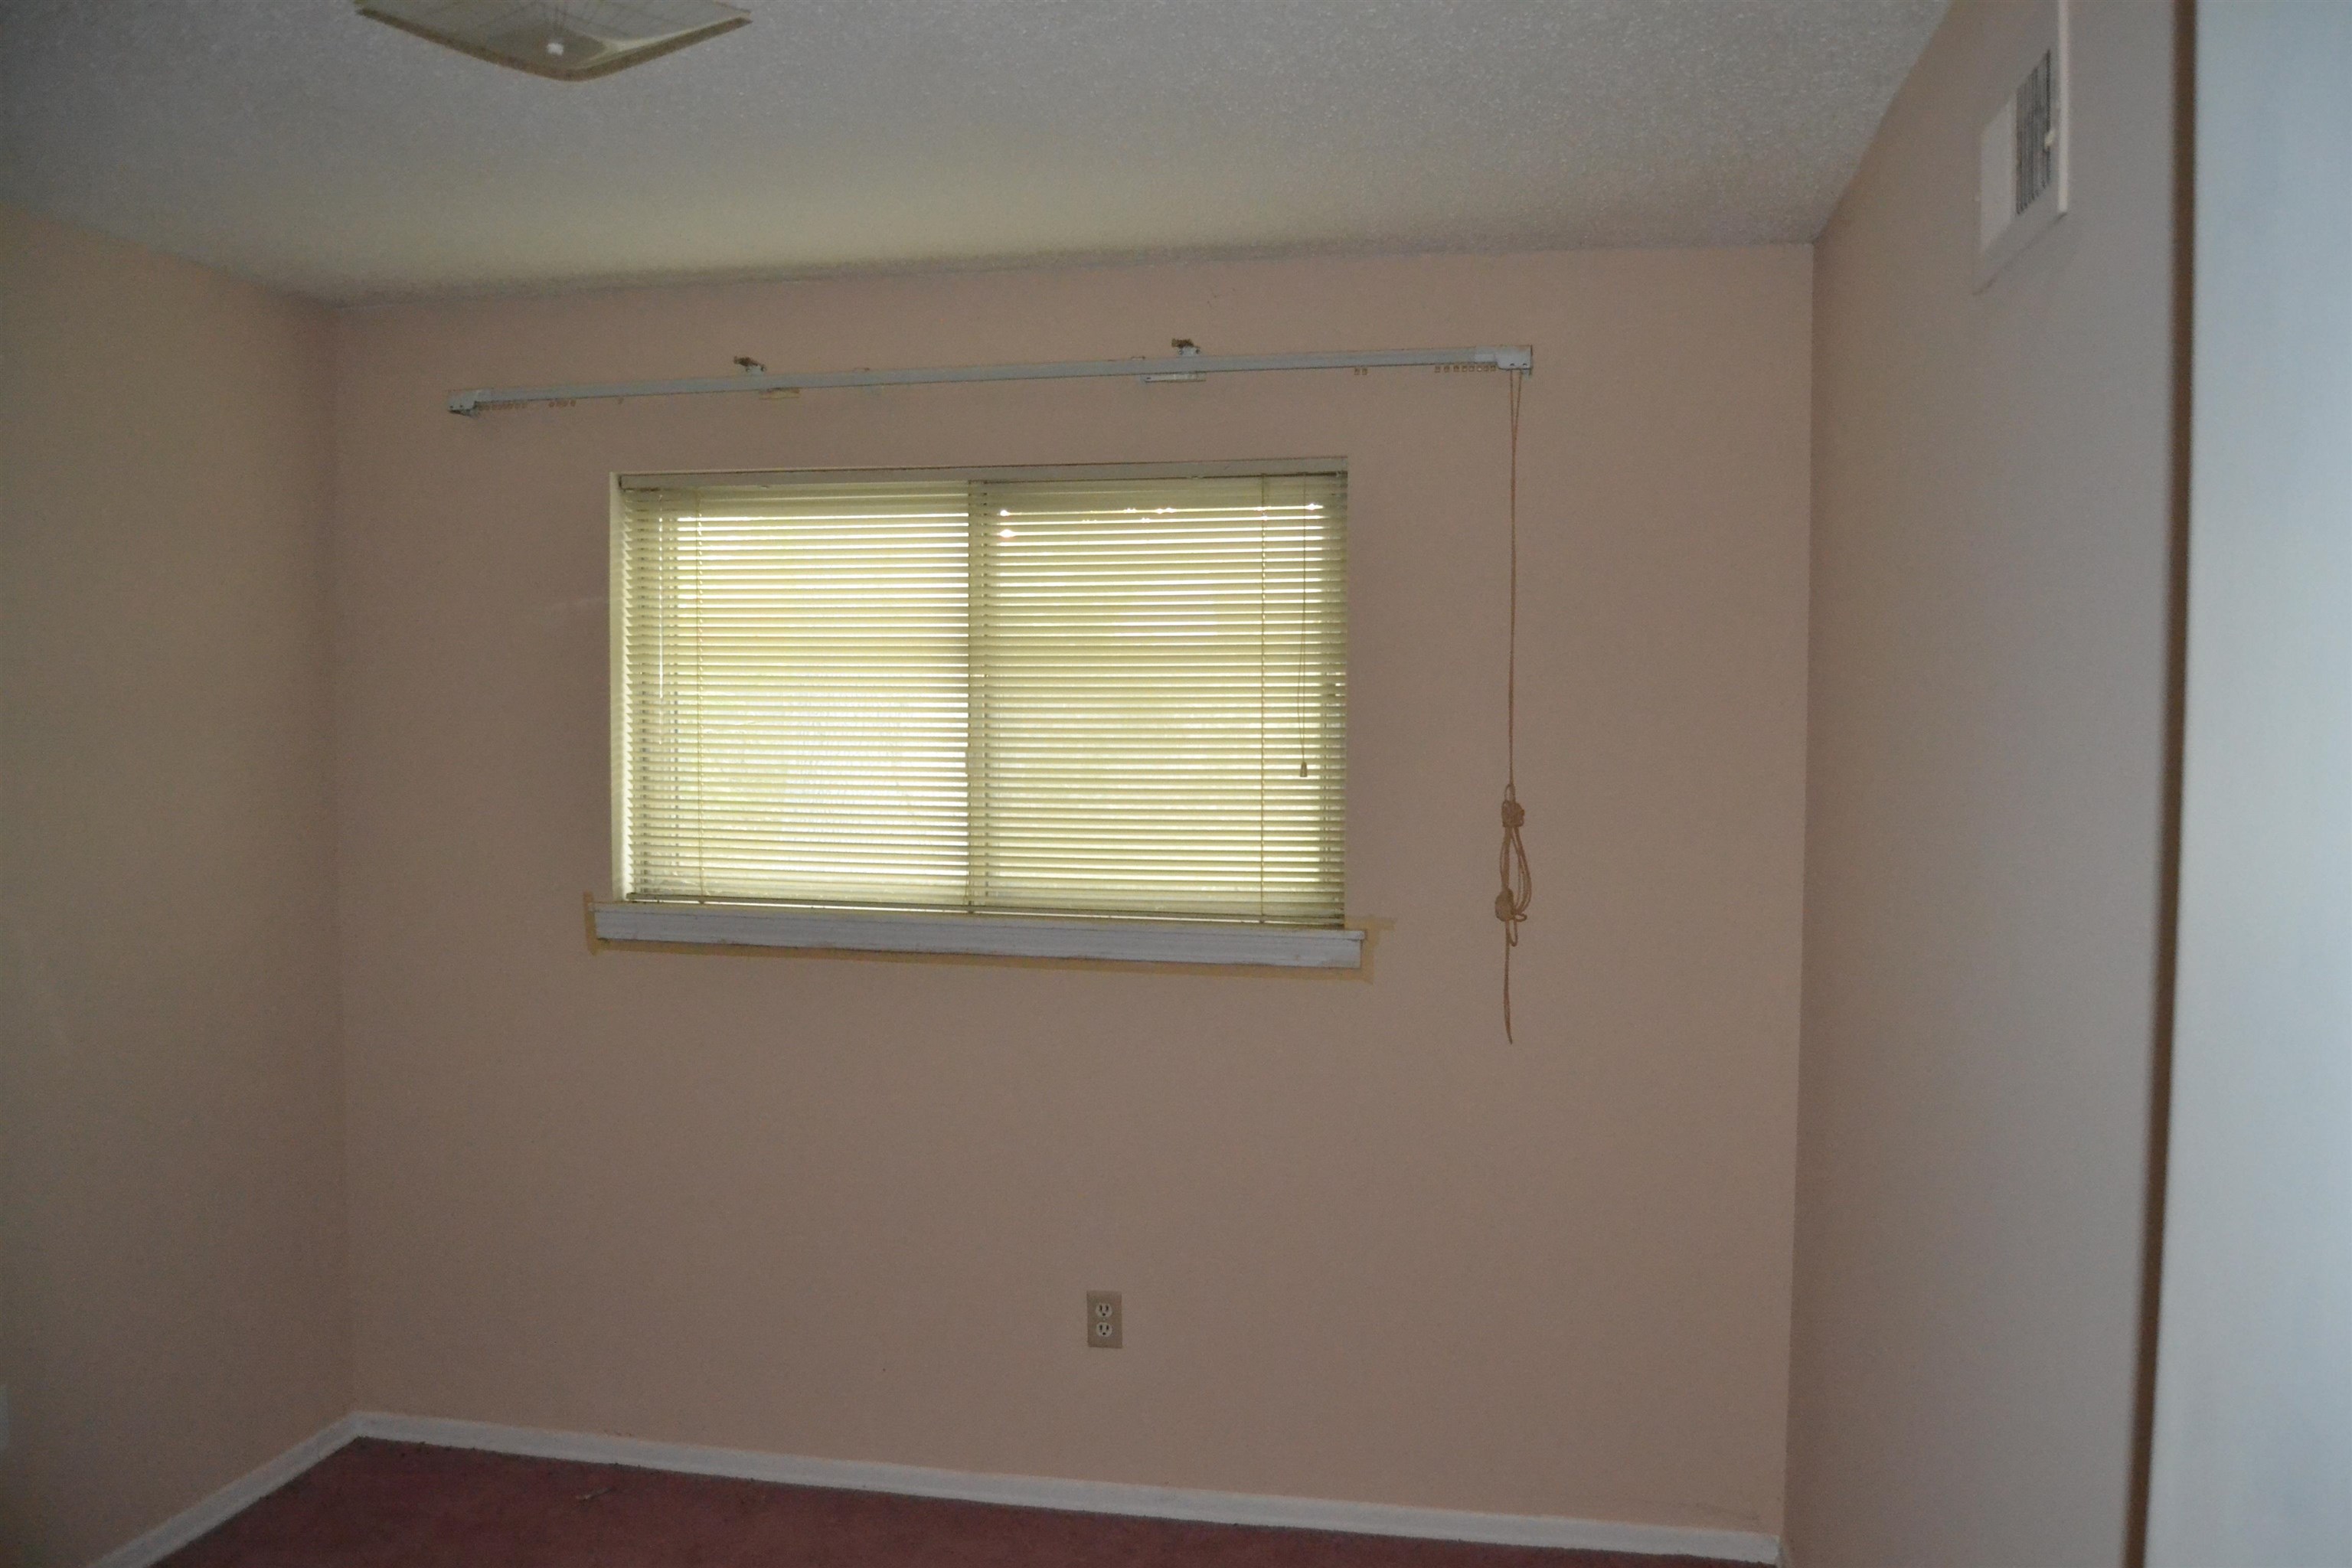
[(1518, 881)]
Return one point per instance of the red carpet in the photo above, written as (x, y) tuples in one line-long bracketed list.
[(375, 1505)]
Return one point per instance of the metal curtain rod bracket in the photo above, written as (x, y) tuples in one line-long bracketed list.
[(1186, 367)]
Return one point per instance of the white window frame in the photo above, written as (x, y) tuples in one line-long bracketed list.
[(819, 930)]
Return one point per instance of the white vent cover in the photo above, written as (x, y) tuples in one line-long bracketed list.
[(2021, 175), (569, 40)]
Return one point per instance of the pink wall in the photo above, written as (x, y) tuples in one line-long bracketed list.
[(173, 1306), (849, 1208), (1991, 534)]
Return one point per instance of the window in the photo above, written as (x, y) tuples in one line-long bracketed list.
[(1057, 709)]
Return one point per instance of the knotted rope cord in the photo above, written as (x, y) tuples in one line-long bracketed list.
[(1518, 881)]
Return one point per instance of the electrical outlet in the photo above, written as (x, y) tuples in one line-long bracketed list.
[(1106, 1322)]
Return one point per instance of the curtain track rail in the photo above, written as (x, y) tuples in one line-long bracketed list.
[(1183, 367)]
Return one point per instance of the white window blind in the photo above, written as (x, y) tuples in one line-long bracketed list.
[(1092, 694)]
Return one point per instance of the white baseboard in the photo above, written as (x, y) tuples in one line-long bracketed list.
[(230, 1501), (965, 1485), (1080, 1497)]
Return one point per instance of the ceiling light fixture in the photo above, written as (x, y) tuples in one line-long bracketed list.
[(565, 40)]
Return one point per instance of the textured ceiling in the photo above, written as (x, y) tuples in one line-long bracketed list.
[(297, 143)]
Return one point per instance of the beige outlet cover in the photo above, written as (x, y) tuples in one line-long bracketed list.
[(1106, 1321)]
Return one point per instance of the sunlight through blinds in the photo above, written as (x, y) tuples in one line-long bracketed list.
[(1106, 696)]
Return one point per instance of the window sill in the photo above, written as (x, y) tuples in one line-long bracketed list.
[(993, 936)]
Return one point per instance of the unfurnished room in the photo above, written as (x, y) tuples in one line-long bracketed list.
[(1372, 783)]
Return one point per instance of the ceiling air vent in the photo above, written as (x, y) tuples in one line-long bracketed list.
[(568, 40), (2021, 175)]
